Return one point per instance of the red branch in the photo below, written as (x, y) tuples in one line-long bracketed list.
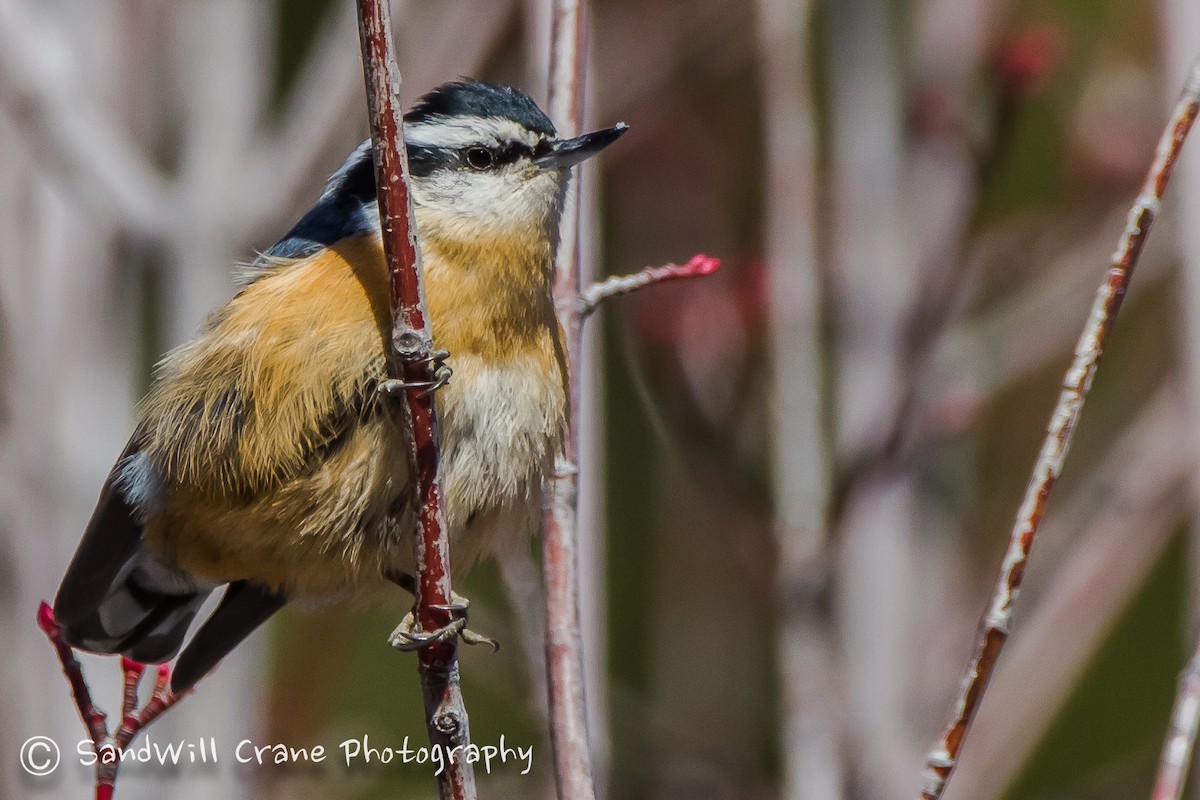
[(997, 622), (411, 362), (133, 718), (1181, 739)]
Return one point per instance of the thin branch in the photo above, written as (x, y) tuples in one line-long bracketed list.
[(94, 719), (564, 645), (998, 620), (564, 648), (591, 297), (560, 535), (560, 526), (410, 360), (108, 748), (1141, 485), (1181, 739)]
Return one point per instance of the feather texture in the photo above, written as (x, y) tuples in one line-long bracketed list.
[(278, 463), (264, 457)]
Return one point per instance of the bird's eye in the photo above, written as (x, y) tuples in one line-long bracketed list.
[(479, 158)]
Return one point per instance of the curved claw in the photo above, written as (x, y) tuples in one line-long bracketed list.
[(408, 638), (441, 376), (457, 605), (472, 638)]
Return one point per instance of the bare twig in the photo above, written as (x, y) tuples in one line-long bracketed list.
[(410, 360), (560, 536), (1140, 485), (564, 647), (591, 297), (108, 748), (1181, 738), (93, 718), (560, 531), (997, 622)]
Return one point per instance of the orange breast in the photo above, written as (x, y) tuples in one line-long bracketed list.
[(284, 497)]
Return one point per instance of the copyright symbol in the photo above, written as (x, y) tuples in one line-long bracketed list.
[(40, 756)]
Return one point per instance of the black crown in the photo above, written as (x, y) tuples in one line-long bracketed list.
[(473, 98)]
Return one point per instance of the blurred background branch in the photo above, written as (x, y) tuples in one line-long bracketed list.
[(814, 733), (1077, 383)]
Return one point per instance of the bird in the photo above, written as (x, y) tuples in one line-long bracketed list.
[(263, 459)]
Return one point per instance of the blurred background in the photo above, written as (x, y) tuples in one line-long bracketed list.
[(801, 471)]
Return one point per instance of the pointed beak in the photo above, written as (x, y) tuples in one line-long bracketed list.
[(566, 153)]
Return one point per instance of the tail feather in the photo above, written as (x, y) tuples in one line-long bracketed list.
[(105, 555), (139, 621), (159, 638), (117, 597), (244, 607)]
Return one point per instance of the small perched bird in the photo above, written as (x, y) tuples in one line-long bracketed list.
[(264, 457)]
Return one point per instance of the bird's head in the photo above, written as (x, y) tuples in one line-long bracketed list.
[(485, 158)]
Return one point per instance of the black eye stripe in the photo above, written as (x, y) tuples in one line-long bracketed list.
[(424, 160), (501, 154)]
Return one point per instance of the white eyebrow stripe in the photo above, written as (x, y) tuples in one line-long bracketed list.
[(453, 132)]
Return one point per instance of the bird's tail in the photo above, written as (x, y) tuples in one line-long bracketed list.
[(117, 597), (140, 616), (147, 611)]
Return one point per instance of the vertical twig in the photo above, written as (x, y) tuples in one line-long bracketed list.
[(998, 619), (560, 529), (94, 719), (877, 565), (108, 748), (1181, 738), (812, 761), (410, 361), (560, 543)]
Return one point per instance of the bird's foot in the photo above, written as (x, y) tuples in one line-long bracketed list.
[(409, 637), (440, 371)]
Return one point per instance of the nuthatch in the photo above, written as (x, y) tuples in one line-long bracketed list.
[(264, 457)]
